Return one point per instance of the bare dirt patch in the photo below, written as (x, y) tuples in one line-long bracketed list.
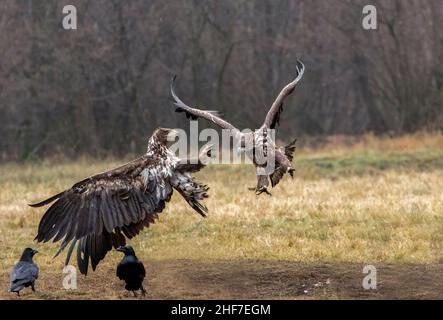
[(249, 279)]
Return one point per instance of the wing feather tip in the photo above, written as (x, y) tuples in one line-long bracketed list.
[(46, 201)]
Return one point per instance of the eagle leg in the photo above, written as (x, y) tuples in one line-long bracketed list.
[(262, 185), (263, 190)]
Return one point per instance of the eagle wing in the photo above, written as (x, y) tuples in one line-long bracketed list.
[(193, 113), (100, 211), (273, 116)]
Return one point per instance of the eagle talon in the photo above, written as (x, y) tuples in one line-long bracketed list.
[(259, 190), (262, 190)]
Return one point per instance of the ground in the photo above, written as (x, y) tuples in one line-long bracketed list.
[(251, 279), (353, 202)]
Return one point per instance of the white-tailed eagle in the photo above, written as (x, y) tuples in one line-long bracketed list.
[(100, 212), (260, 142)]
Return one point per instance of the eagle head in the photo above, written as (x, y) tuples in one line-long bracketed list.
[(163, 136)]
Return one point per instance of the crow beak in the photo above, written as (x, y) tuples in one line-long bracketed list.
[(34, 251), (121, 249)]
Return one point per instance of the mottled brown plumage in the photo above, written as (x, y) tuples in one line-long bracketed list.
[(102, 211), (259, 139)]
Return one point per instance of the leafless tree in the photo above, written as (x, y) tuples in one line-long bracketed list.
[(92, 90)]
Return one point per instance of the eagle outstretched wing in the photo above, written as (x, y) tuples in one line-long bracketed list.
[(194, 113), (273, 117), (100, 212)]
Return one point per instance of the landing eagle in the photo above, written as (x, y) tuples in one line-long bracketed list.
[(100, 212), (258, 145)]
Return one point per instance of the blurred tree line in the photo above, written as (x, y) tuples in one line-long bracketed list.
[(102, 88)]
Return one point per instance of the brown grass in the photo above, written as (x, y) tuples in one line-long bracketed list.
[(369, 201)]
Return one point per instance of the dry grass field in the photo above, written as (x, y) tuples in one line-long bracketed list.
[(352, 202)]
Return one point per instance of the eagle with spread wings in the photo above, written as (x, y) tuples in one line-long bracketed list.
[(258, 145), (100, 212)]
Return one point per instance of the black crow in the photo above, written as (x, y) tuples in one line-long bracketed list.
[(25, 272), (131, 270)]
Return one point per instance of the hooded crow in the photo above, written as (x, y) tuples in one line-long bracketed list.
[(25, 272)]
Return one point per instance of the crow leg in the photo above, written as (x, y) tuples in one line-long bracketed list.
[(33, 286), (143, 290), (134, 293)]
